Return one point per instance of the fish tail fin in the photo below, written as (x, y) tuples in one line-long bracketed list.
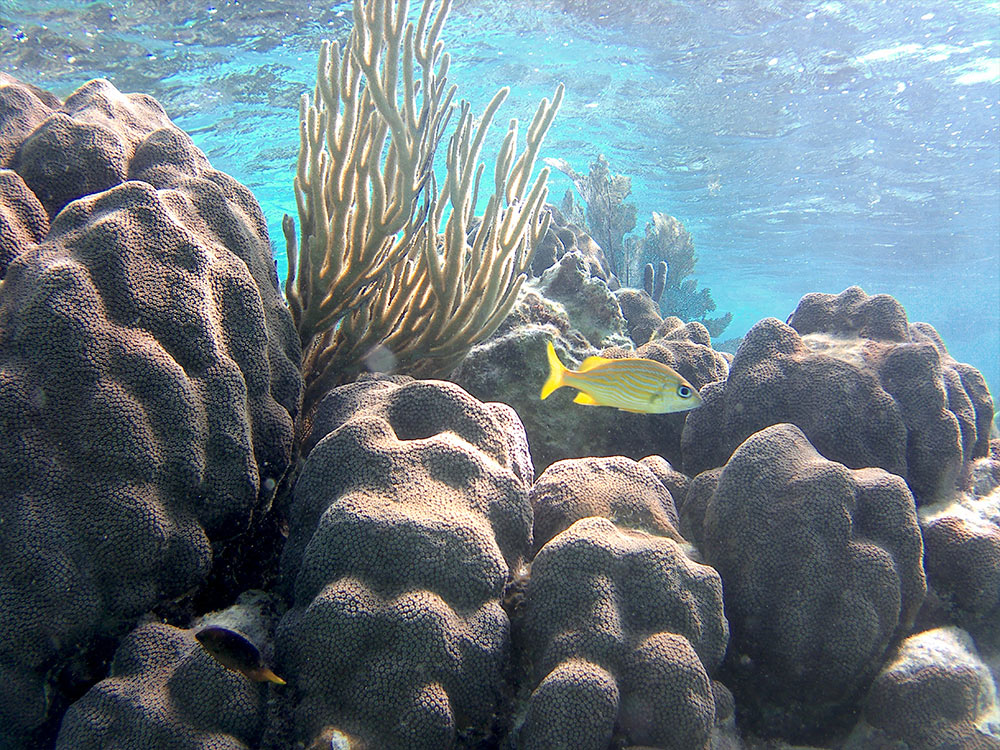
[(263, 674), (556, 370)]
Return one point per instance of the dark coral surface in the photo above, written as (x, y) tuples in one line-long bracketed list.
[(148, 379), (865, 386), (622, 631)]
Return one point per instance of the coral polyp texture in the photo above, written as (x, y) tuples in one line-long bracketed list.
[(622, 635), (410, 515), (935, 692), (617, 488), (148, 380), (822, 572), (165, 691), (865, 386)]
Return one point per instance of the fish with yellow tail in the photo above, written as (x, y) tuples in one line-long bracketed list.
[(235, 651), (644, 386)]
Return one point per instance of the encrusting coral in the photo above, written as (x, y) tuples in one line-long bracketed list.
[(372, 269)]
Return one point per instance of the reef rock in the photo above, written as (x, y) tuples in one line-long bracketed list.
[(589, 304), (148, 378)]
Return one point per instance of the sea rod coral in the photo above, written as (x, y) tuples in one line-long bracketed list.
[(372, 268)]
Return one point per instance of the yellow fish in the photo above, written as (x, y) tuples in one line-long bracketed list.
[(638, 385)]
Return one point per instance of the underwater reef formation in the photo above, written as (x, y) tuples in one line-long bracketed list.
[(148, 388), (821, 566), (687, 348), (166, 691), (148, 379), (935, 692), (666, 243), (670, 245), (409, 517), (606, 214), (584, 299), (512, 364), (642, 315), (23, 221), (622, 632), (564, 236), (866, 387), (962, 551)]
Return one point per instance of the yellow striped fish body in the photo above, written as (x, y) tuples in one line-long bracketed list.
[(638, 385)]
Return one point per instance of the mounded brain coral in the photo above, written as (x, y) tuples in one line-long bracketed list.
[(866, 387), (166, 691), (23, 221), (622, 633), (935, 692), (821, 567), (148, 380), (408, 519), (617, 488), (962, 550)]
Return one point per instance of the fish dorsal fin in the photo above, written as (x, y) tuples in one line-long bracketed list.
[(583, 398), (591, 362)]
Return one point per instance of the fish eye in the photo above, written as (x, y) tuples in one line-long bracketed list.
[(684, 392)]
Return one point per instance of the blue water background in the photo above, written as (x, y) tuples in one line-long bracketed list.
[(806, 146)]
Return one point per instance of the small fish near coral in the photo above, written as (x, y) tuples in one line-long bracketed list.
[(236, 652), (643, 386)]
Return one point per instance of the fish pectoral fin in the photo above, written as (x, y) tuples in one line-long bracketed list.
[(583, 398)]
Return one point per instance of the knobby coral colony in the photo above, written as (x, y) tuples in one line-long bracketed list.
[(371, 267), (148, 395)]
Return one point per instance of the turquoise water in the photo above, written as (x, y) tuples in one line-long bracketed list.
[(806, 146)]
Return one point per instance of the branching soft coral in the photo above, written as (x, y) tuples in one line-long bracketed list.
[(373, 269)]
